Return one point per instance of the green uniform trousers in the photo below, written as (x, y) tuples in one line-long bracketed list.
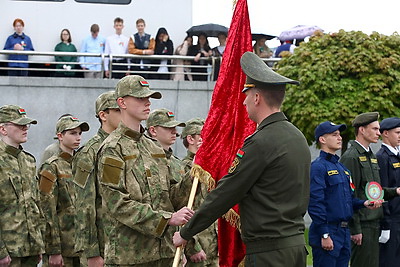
[(367, 255), (293, 257)]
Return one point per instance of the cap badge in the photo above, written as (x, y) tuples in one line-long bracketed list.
[(144, 83), (74, 119), (21, 111), (240, 153), (170, 114), (333, 124)]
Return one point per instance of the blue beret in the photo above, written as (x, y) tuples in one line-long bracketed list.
[(389, 123)]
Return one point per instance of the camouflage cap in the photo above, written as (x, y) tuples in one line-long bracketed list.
[(69, 123), (260, 75), (193, 126), (136, 86), (106, 101), (164, 118), (15, 114), (365, 119)]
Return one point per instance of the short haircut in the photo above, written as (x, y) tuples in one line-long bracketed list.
[(69, 38), (185, 142), (140, 21), (273, 98), (356, 130), (18, 21), (118, 20), (95, 28)]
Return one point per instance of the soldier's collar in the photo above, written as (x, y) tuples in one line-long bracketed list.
[(132, 133), (13, 150), (65, 156), (168, 153)]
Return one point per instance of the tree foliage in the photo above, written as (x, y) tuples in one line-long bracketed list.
[(341, 75)]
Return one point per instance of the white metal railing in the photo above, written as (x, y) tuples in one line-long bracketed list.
[(49, 65)]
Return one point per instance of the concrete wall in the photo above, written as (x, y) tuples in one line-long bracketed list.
[(46, 99)]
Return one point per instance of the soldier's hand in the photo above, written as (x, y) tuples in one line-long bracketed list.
[(199, 257), (357, 239), (373, 204), (181, 217), (4, 262), (178, 240), (327, 243), (95, 262), (56, 260)]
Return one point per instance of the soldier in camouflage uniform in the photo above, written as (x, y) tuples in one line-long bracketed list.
[(57, 194), (206, 242), (21, 221), (53, 148), (135, 186), (89, 226)]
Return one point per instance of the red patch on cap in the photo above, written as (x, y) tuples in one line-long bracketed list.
[(74, 119), (144, 83), (170, 114), (21, 111), (240, 153)]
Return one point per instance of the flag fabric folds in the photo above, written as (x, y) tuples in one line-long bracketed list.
[(226, 127)]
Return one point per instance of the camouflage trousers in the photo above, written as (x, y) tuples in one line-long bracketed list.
[(68, 261), (159, 263), (30, 261)]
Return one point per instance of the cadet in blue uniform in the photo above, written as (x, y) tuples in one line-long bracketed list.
[(389, 171), (331, 201)]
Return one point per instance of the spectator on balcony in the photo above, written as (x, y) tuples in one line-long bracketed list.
[(261, 49), (117, 44), (20, 42), (200, 50), (141, 43), (92, 44), (164, 46), (217, 52), (65, 46), (182, 73)]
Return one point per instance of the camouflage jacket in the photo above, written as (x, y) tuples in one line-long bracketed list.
[(137, 198), (206, 240), (21, 220), (57, 198), (88, 220)]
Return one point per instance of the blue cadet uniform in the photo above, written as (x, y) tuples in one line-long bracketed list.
[(331, 204), (331, 207), (389, 172)]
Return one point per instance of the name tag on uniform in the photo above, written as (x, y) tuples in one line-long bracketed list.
[(374, 161), (396, 165), (333, 172), (363, 158)]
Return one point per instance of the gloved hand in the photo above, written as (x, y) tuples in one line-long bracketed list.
[(385, 235)]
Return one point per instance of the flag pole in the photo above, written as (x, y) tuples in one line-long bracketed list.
[(179, 249)]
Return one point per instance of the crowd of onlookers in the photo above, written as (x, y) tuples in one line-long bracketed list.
[(140, 43)]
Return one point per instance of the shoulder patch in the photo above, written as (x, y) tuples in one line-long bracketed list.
[(396, 165), (112, 169), (374, 161), (47, 179), (234, 164)]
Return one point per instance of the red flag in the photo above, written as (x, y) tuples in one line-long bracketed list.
[(226, 127)]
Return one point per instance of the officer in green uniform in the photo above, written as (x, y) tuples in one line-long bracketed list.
[(161, 126), (21, 242), (139, 216), (57, 195), (269, 178), (363, 166), (206, 242), (89, 225)]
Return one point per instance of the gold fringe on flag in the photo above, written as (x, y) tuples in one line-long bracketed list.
[(232, 217)]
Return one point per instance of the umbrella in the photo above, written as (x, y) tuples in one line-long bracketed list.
[(210, 29), (298, 32), (256, 36)]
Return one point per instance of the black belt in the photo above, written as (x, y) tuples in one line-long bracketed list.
[(341, 224)]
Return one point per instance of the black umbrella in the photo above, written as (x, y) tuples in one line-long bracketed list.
[(210, 29), (256, 36)]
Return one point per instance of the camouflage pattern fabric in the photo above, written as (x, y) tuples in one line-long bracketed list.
[(136, 192), (88, 221), (21, 219), (208, 239), (57, 198)]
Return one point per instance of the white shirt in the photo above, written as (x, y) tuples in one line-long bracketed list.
[(115, 44), (366, 149), (392, 149)]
